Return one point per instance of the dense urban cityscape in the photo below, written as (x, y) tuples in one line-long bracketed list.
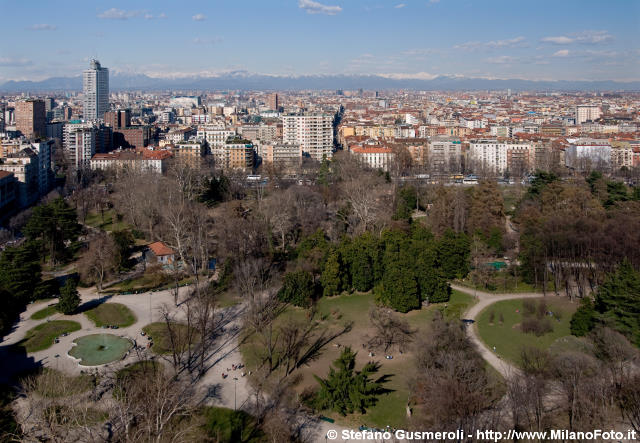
[(371, 255)]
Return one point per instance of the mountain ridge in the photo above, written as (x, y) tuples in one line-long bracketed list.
[(242, 80)]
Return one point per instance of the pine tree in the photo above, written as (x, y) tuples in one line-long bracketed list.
[(618, 301), (583, 319), (298, 289), (69, 298), (331, 278), (345, 390)]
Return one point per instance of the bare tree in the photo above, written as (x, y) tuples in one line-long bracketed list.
[(99, 260), (389, 330)]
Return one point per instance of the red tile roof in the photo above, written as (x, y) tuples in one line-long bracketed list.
[(160, 249)]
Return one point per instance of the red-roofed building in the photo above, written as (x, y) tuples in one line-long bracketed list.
[(160, 252)]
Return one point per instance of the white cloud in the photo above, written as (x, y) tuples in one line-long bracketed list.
[(501, 60), (199, 17), (118, 14), (413, 76), (151, 16), (561, 53), (43, 27), (318, 8), (14, 62), (585, 38), (400, 5), (507, 43)]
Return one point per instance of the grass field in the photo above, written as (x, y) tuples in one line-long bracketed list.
[(108, 314), (161, 340), (109, 223), (508, 338), (44, 313), (334, 312), (42, 336)]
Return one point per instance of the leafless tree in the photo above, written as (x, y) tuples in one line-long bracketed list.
[(98, 261), (389, 330)]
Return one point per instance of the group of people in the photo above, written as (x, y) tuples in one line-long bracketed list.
[(233, 368)]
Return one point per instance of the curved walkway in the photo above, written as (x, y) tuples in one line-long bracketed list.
[(485, 299)]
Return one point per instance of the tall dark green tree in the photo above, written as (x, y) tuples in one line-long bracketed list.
[(54, 224), (406, 202), (583, 320), (618, 301), (69, 297), (346, 390), (298, 289), (399, 289), (124, 241), (453, 254), (332, 275)]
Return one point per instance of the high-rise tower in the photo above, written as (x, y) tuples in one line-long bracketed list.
[(95, 85)]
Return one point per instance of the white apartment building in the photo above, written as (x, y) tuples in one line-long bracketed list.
[(376, 157), (95, 86), (497, 157), (313, 132), (79, 143), (587, 113), (216, 136), (586, 153)]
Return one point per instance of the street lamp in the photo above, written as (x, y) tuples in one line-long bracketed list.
[(235, 398)]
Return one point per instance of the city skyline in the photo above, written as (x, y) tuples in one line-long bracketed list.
[(399, 40)]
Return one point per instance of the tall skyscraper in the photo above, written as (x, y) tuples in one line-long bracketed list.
[(30, 118), (95, 85), (273, 102)]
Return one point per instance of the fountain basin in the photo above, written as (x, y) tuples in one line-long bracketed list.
[(99, 349)]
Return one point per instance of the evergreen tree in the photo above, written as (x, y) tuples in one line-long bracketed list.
[(406, 202), (124, 241), (69, 298), (345, 390), (53, 224), (399, 289), (331, 278), (583, 320), (618, 301), (298, 289), (20, 271), (453, 254)]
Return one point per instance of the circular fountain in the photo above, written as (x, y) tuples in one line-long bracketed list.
[(99, 349)]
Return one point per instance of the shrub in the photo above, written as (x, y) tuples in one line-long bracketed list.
[(536, 326)]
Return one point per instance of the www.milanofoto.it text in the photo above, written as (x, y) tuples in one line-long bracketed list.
[(488, 435)]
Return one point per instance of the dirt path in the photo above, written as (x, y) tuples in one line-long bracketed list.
[(485, 299)]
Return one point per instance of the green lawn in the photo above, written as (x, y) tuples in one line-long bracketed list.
[(109, 223), (161, 340), (338, 310), (44, 313), (108, 314), (507, 337), (42, 336)]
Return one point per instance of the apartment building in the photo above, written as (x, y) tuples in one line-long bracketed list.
[(30, 118), (313, 132)]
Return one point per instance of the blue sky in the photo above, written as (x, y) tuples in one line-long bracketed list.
[(540, 39)]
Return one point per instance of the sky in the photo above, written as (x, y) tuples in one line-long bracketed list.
[(534, 40)]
